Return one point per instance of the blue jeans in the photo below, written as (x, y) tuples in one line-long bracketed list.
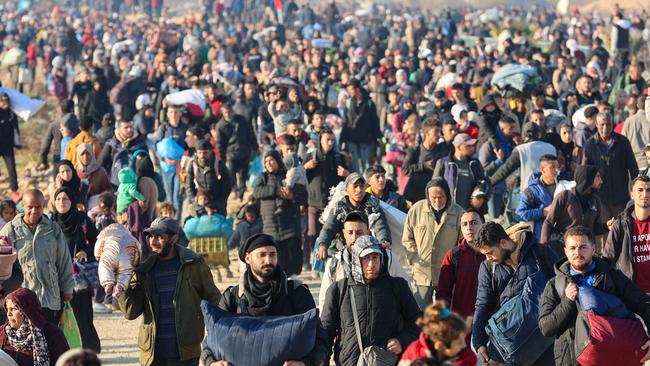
[(360, 155), (172, 185), (496, 203)]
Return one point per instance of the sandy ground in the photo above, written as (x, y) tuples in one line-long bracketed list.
[(119, 336)]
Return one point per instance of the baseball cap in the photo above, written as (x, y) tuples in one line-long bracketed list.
[(353, 178), (365, 245), (356, 216), (4, 97), (463, 138), (162, 225)]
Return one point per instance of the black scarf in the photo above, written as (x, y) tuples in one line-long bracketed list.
[(74, 183), (71, 222), (262, 296)]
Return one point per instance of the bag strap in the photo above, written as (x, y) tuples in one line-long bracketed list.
[(356, 321)]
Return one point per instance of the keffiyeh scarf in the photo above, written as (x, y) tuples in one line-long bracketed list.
[(29, 338)]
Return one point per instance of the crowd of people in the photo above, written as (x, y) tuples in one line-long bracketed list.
[(434, 169)]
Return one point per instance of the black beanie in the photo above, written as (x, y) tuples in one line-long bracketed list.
[(584, 177), (203, 145), (254, 242)]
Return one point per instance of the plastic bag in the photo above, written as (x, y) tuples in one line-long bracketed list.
[(254, 170), (69, 327)]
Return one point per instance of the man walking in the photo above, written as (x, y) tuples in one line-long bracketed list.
[(582, 269), (264, 290), (432, 227), (43, 255), (167, 290)]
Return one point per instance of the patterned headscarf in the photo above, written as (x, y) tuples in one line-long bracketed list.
[(29, 337)]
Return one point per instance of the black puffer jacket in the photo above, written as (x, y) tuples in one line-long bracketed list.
[(386, 309), (557, 314), (287, 224)]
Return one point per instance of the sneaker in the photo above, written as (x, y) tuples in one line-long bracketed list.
[(100, 308)]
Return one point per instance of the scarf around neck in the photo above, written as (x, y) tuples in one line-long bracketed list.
[(262, 296), (29, 338)]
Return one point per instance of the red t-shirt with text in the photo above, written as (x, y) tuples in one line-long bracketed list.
[(641, 253)]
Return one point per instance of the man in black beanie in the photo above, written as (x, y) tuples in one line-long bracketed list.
[(579, 206), (264, 290)]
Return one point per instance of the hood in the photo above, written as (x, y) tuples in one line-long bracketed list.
[(352, 257), (71, 123), (441, 183), (584, 177), (93, 165), (29, 304), (518, 232), (278, 158), (127, 175), (487, 100)]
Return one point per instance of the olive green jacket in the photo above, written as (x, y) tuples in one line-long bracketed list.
[(194, 284)]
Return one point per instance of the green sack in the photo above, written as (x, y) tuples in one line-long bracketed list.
[(68, 325)]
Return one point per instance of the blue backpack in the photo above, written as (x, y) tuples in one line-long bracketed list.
[(514, 329)]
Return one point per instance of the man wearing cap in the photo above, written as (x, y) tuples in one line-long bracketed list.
[(432, 227), (384, 306), (355, 225), (525, 156), (385, 190), (462, 171), (209, 174), (167, 290), (264, 290), (357, 199), (8, 133)]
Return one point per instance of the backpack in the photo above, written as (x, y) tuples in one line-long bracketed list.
[(121, 159), (514, 329), (606, 332)]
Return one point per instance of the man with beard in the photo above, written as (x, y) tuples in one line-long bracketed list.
[(382, 307), (512, 256), (167, 290), (118, 150), (210, 175), (459, 271), (432, 227), (264, 290), (355, 225), (583, 269), (631, 230)]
